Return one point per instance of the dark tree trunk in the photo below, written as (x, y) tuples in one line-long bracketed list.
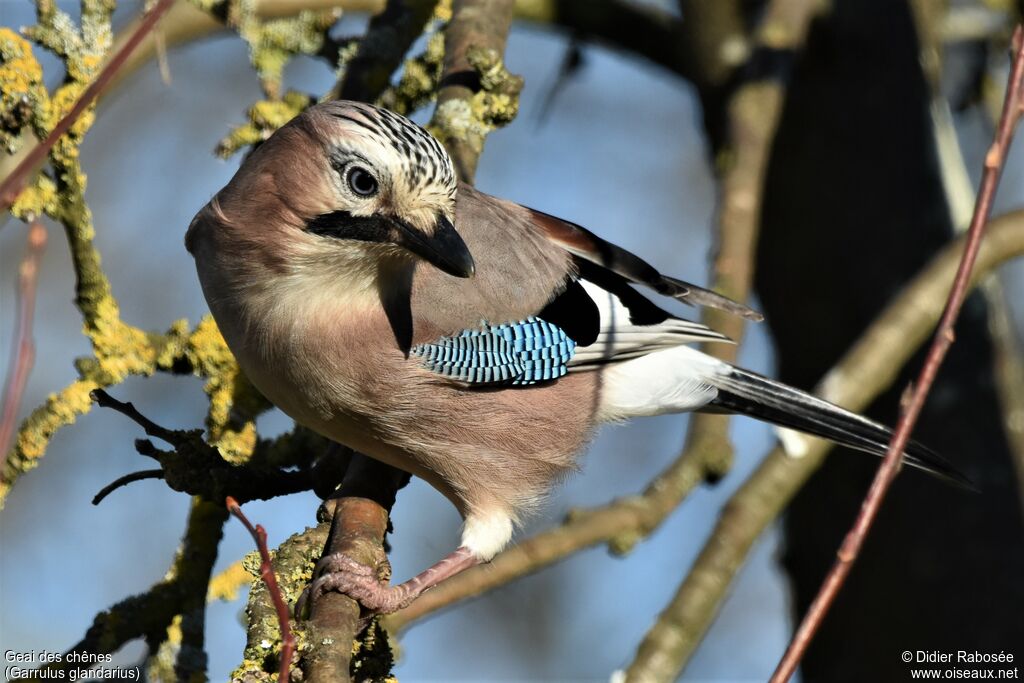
[(854, 208)]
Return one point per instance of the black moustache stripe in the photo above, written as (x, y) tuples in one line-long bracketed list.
[(343, 225)]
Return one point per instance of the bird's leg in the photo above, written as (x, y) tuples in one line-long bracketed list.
[(338, 572)]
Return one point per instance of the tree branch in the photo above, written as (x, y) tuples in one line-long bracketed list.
[(149, 614), (124, 481), (476, 94), (359, 513), (388, 37), (23, 350), (751, 113), (259, 536), (751, 117), (867, 369), (1008, 353), (197, 468)]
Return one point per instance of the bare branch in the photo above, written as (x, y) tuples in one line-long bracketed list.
[(259, 535), (752, 113), (197, 468), (124, 481), (105, 400), (23, 351)]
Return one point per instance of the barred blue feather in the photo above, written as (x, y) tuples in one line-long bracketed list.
[(526, 352)]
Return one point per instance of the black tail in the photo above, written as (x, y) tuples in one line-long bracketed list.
[(751, 394)]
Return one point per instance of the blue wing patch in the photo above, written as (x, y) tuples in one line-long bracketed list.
[(525, 352)]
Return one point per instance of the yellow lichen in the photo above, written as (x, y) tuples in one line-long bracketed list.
[(273, 43), (37, 199), (467, 122), (226, 585), (21, 88), (265, 117), (418, 83)]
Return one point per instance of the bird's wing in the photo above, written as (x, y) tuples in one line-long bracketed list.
[(588, 248), (588, 325), (628, 325), (535, 311), (521, 353)]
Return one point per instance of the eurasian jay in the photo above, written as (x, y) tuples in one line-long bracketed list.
[(468, 340)]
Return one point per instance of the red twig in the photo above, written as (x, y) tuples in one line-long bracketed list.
[(1013, 110), (259, 535), (23, 349), (15, 182)]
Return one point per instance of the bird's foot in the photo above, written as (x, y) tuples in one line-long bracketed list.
[(341, 574)]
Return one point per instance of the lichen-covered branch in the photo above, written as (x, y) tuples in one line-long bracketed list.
[(269, 580), (359, 519), (389, 36), (293, 563), (477, 93), (86, 73), (119, 349), (648, 31), (180, 592)]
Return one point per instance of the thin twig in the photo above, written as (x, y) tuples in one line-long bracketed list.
[(12, 186), (23, 350), (124, 481), (1013, 109), (259, 535), (1007, 348), (105, 400)]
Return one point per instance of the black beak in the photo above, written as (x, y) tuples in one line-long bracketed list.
[(445, 249)]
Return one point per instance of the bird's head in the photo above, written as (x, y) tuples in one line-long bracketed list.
[(344, 186), (385, 181)]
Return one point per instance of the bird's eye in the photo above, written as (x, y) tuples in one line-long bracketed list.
[(361, 182)]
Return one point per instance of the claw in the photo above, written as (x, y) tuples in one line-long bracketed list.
[(340, 573)]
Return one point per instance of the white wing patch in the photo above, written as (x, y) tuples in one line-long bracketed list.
[(619, 339), (673, 380)]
